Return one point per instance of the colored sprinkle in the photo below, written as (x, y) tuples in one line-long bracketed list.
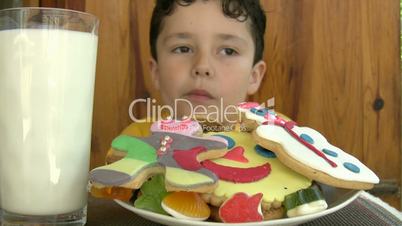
[(231, 142), (307, 138), (259, 112), (352, 167), (329, 152), (264, 152)]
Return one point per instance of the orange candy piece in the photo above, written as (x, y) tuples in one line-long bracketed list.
[(189, 204), (119, 193)]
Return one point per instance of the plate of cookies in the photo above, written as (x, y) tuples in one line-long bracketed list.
[(336, 198), (267, 170)]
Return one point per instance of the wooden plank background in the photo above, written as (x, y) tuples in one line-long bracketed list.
[(332, 65)]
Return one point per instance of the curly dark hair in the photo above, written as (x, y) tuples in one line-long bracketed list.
[(241, 10)]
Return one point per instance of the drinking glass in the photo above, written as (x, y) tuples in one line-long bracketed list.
[(47, 73)]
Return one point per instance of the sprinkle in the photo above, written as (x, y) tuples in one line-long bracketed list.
[(260, 112), (307, 138), (352, 167), (329, 152), (264, 152)]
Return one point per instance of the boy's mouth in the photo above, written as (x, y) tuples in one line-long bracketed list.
[(198, 95)]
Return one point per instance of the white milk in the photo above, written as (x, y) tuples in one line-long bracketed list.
[(46, 98)]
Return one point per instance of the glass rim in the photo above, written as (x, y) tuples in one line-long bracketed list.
[(96, 19)]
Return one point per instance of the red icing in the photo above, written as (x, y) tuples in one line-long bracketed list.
[(236, 154), (269, 117), (288, 126), (238, 175), (241, 208), (187, 159), (248, 105), (174, 128)]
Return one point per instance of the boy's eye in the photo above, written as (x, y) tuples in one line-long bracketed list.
[(181, 49), (229, 51)]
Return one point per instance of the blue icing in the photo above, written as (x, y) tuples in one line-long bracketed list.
[(352, 167), (264, 152), (259, 112), (307, 138), (231, 142), (329, 152), (272, 112)]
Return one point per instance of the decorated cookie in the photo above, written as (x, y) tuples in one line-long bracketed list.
[(123, 194), (263, 170), (250, 169), (253, 114), (241, 208), (186, 127), (256, 112), (304, 202), (308, 152), (174, 148), (186, 205), (151, 194)]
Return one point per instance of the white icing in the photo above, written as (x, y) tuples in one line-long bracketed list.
[(308, 208), (176, 214), (244, 110), (217, 138), (303, 154), (259, 209), (252, 116)]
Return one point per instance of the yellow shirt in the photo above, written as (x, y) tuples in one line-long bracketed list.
[(138, 129)]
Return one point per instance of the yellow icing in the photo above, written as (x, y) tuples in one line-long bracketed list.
[(272, 186), (182, 177), (126, 165)]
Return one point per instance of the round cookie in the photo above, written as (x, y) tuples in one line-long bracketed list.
[(261, 173)]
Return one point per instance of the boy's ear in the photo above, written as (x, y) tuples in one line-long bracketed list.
[(257, 74), (153, 66)]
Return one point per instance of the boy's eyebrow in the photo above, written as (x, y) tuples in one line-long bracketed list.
[(230, 37), (180, 35), (222, 36)]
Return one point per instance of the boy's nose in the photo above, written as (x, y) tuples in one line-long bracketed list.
[(202, 71), (202, 67)]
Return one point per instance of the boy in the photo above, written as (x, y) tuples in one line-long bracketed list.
[(205, 52)]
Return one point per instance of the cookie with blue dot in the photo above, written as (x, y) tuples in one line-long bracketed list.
[(308, 152)]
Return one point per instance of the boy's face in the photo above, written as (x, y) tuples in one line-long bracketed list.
[(204, 57)]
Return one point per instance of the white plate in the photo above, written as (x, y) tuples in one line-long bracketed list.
[(335, 197)]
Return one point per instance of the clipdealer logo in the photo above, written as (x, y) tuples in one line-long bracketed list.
[(212, 113)]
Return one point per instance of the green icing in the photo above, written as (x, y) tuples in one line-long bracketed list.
[(303, 196), (135, 148), (127, 165), (152, 194)]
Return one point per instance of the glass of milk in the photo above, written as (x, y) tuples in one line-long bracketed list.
[(47, 73)]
